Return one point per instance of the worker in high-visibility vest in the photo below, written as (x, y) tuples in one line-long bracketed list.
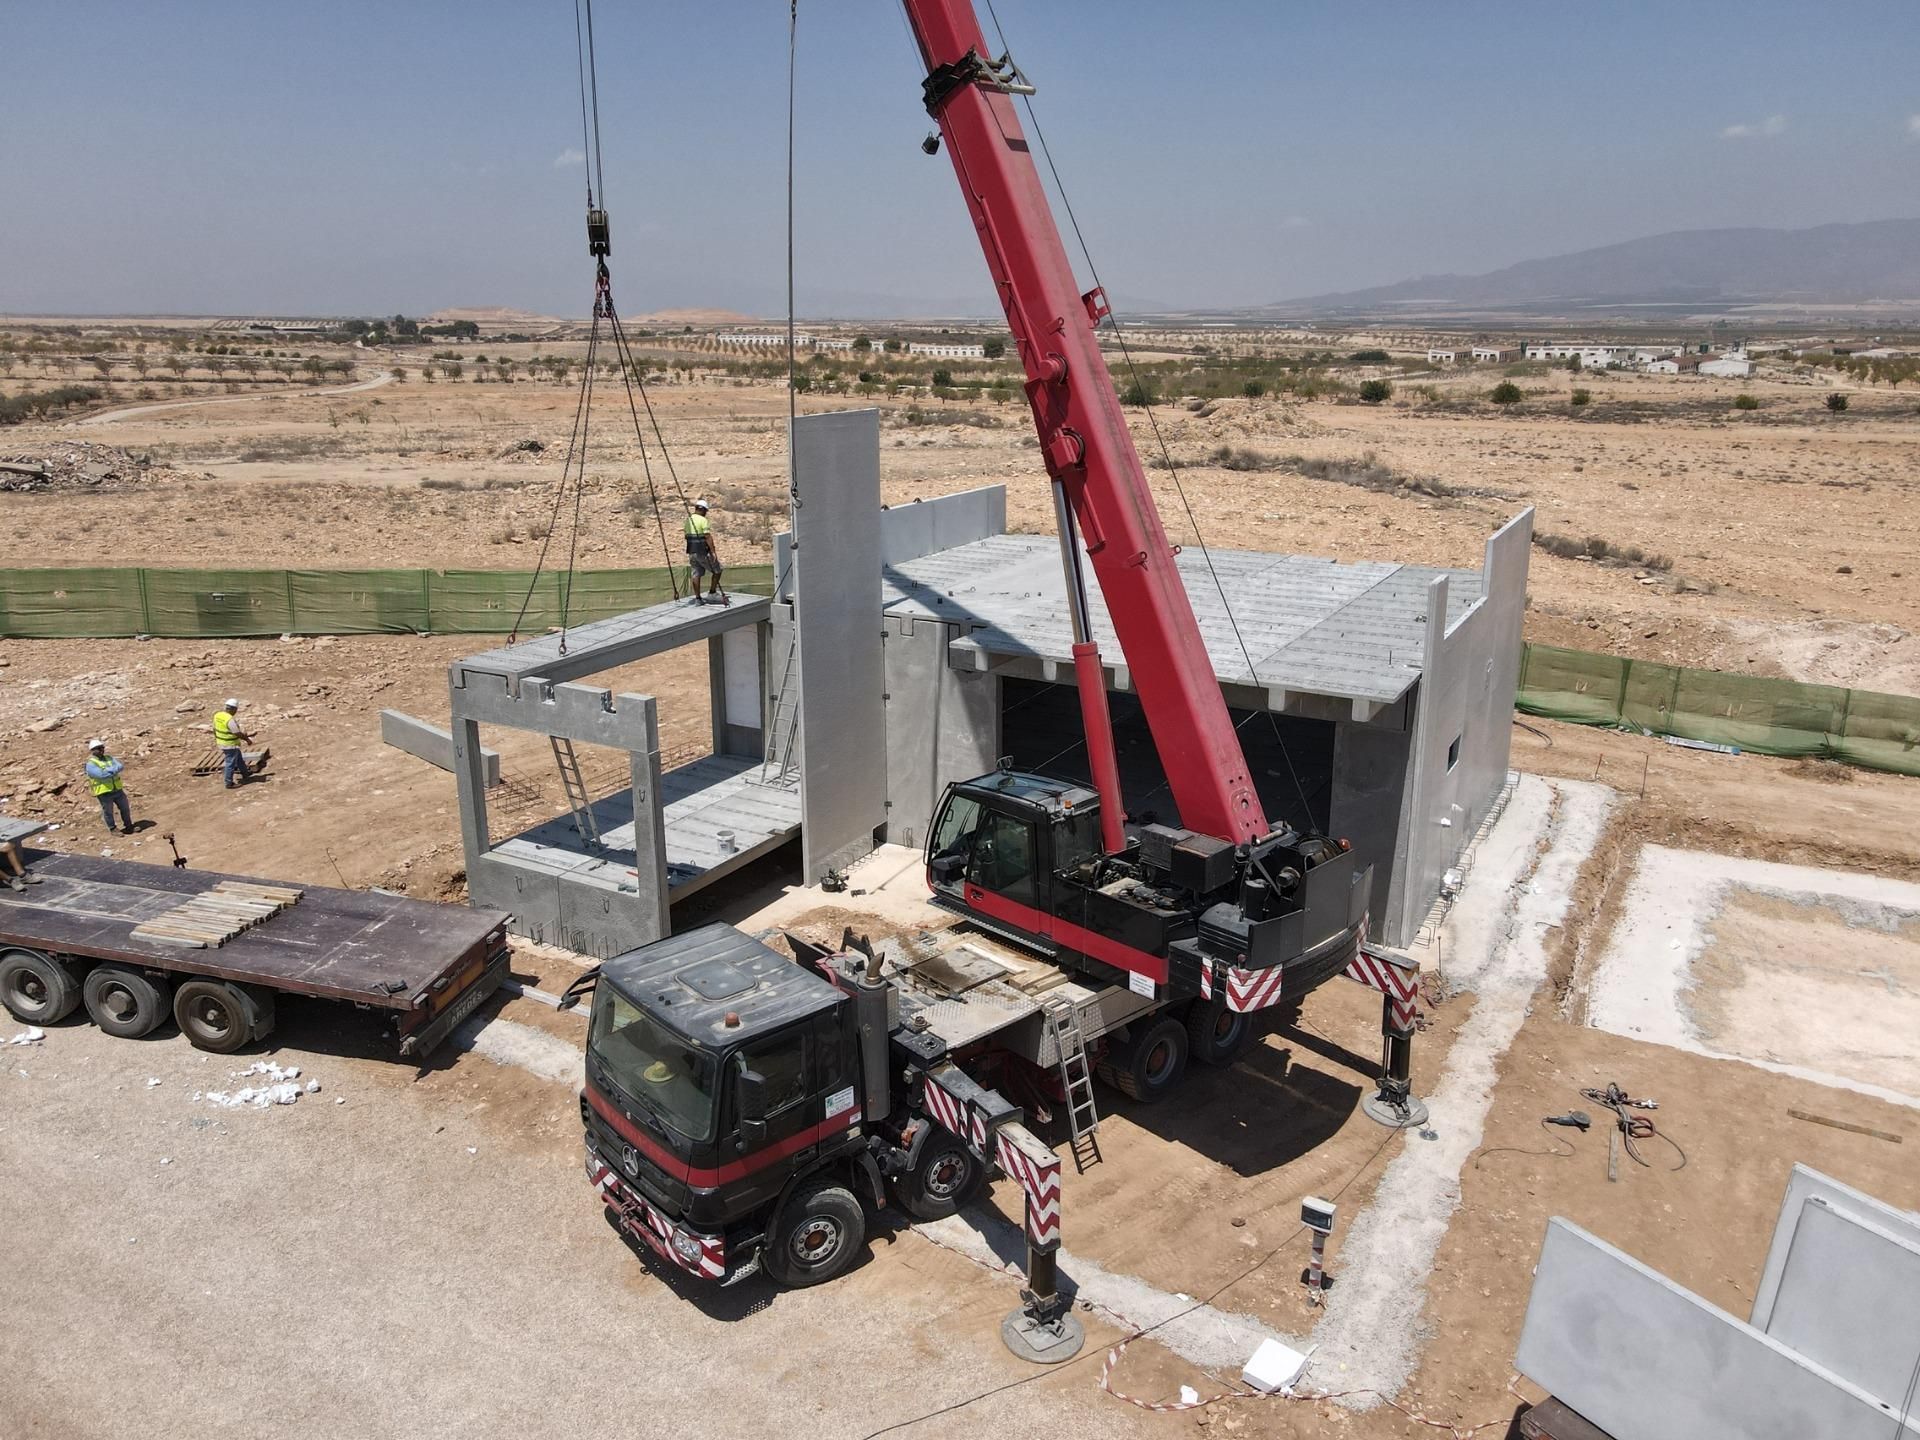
[(103, 775), (702, 558), (232, 741)]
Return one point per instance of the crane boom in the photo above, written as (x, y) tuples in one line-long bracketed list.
[(1088, 451)]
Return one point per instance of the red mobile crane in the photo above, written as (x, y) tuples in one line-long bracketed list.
[(739, 1107)]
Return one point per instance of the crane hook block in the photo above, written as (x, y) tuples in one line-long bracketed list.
[(599, 233)]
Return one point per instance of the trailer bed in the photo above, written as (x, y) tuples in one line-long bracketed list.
[(381, 951)]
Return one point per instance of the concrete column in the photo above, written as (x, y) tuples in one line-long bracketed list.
[(650, 831)]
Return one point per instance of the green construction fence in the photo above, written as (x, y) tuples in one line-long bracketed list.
[(1770, 717), (89, 603)]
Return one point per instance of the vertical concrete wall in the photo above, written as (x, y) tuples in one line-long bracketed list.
[(836, 608), (1370, 765), (942, 724), (1644, 1359), (1462, 730), (736, 667)]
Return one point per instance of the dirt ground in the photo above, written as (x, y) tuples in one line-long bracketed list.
[(178, 1286)]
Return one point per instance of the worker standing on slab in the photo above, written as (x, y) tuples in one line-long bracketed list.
[(702, 558), (103, 774), (232, 741)]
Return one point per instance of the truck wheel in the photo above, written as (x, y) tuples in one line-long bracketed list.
[(1215, 1034), (124, 1002), (218, 1016), (816, 1237), (941, 1180), (36, 989), (1151, 1064)]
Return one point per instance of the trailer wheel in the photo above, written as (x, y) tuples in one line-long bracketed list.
[(1148, 1066), (941, 1180), (124, 1002), (816, 1237), (35, 988), (218, 1016), (1215, 1034)]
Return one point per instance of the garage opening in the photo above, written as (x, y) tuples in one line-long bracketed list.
[(1040, 729)]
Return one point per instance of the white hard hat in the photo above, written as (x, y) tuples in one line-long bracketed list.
[(233, 704), (701, 505), (96, 744)]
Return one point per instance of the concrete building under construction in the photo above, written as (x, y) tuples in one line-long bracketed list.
[(913, 646)]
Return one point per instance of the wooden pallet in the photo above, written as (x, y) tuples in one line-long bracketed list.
[(213, 917)]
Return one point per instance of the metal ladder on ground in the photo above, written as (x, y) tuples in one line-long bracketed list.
[(575, 785), (782, 728), (1062, 1019)]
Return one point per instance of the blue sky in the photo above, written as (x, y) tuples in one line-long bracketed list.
[(359, 157)]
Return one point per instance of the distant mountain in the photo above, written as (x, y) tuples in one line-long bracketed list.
[(1874, 260)]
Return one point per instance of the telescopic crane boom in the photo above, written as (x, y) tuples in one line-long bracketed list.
[(1099, 484)]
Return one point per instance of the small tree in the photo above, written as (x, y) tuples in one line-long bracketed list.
[(892, 346), (1136, 393), (943, 377), (994, 349), (1836, 402), (1253, 389), (1506, 393), (1574, 364), (863, 343), (1372, 392), (1580, 397)]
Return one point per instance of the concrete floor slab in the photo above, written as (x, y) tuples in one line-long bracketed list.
[(1809, 972)]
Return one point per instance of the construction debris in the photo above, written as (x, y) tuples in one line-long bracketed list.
[(78, 465)]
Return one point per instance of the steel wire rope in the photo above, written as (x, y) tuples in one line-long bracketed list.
[(560, 493)]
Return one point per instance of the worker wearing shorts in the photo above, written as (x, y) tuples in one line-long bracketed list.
[(702, 558)]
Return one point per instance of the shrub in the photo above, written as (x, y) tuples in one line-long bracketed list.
[(1836, 402), (1372, 392), (943, 377), (1228, 458), (1369, 357), (1580, 397), (1136, 393), (1253, 389), (1745, 402), (994, 349), (1506, 393)]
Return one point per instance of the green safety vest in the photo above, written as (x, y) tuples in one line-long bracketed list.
[(223, 731), (698, 531), (106, 786)]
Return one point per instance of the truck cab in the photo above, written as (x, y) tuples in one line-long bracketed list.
[(718, 1074)]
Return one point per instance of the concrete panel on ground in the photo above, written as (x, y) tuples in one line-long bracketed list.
[(1596, 1315), (836, 579), (430, 743)]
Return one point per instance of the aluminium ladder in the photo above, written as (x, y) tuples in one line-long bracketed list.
[(1062, 1019), (584, 824), (781, 729)]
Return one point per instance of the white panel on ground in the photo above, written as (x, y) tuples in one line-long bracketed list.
[(836, 578)]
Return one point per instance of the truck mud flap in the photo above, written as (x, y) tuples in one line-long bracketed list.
[(422, 1043)]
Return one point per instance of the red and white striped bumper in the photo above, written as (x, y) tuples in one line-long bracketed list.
[(1399, 983), (639, 1218), (1245, 990), (1035, 1168)]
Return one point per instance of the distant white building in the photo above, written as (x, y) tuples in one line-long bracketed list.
[(753, 341), (1591, 357), (825, 342), (1880, 352), (1732, 365), (1444, 354), (944, 351), (1495, 354)]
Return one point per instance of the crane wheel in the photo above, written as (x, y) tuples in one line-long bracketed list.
[(124, 1002), (942, 1180), (1148, 1066), (816, 1237), (1215, 1034), (35, 988)]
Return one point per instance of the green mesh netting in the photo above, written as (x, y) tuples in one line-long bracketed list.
[(86, 603)]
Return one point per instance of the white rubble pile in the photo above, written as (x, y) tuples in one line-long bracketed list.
[(32, 1035), (280, 1087)]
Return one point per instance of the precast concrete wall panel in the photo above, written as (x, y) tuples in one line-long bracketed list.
[(836, 580), (1645, 1359), (942, 724)]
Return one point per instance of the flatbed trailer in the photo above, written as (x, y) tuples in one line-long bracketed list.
[(72, 940)]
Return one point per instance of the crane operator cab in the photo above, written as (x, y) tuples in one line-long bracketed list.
[(1020, 854)]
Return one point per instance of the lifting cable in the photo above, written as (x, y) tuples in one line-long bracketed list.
[(1113, 321), (573, 467)]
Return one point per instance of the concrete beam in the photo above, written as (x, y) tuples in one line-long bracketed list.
[(431, 744), (611, 643)]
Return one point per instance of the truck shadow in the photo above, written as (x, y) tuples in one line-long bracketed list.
[(1264, 1111)]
